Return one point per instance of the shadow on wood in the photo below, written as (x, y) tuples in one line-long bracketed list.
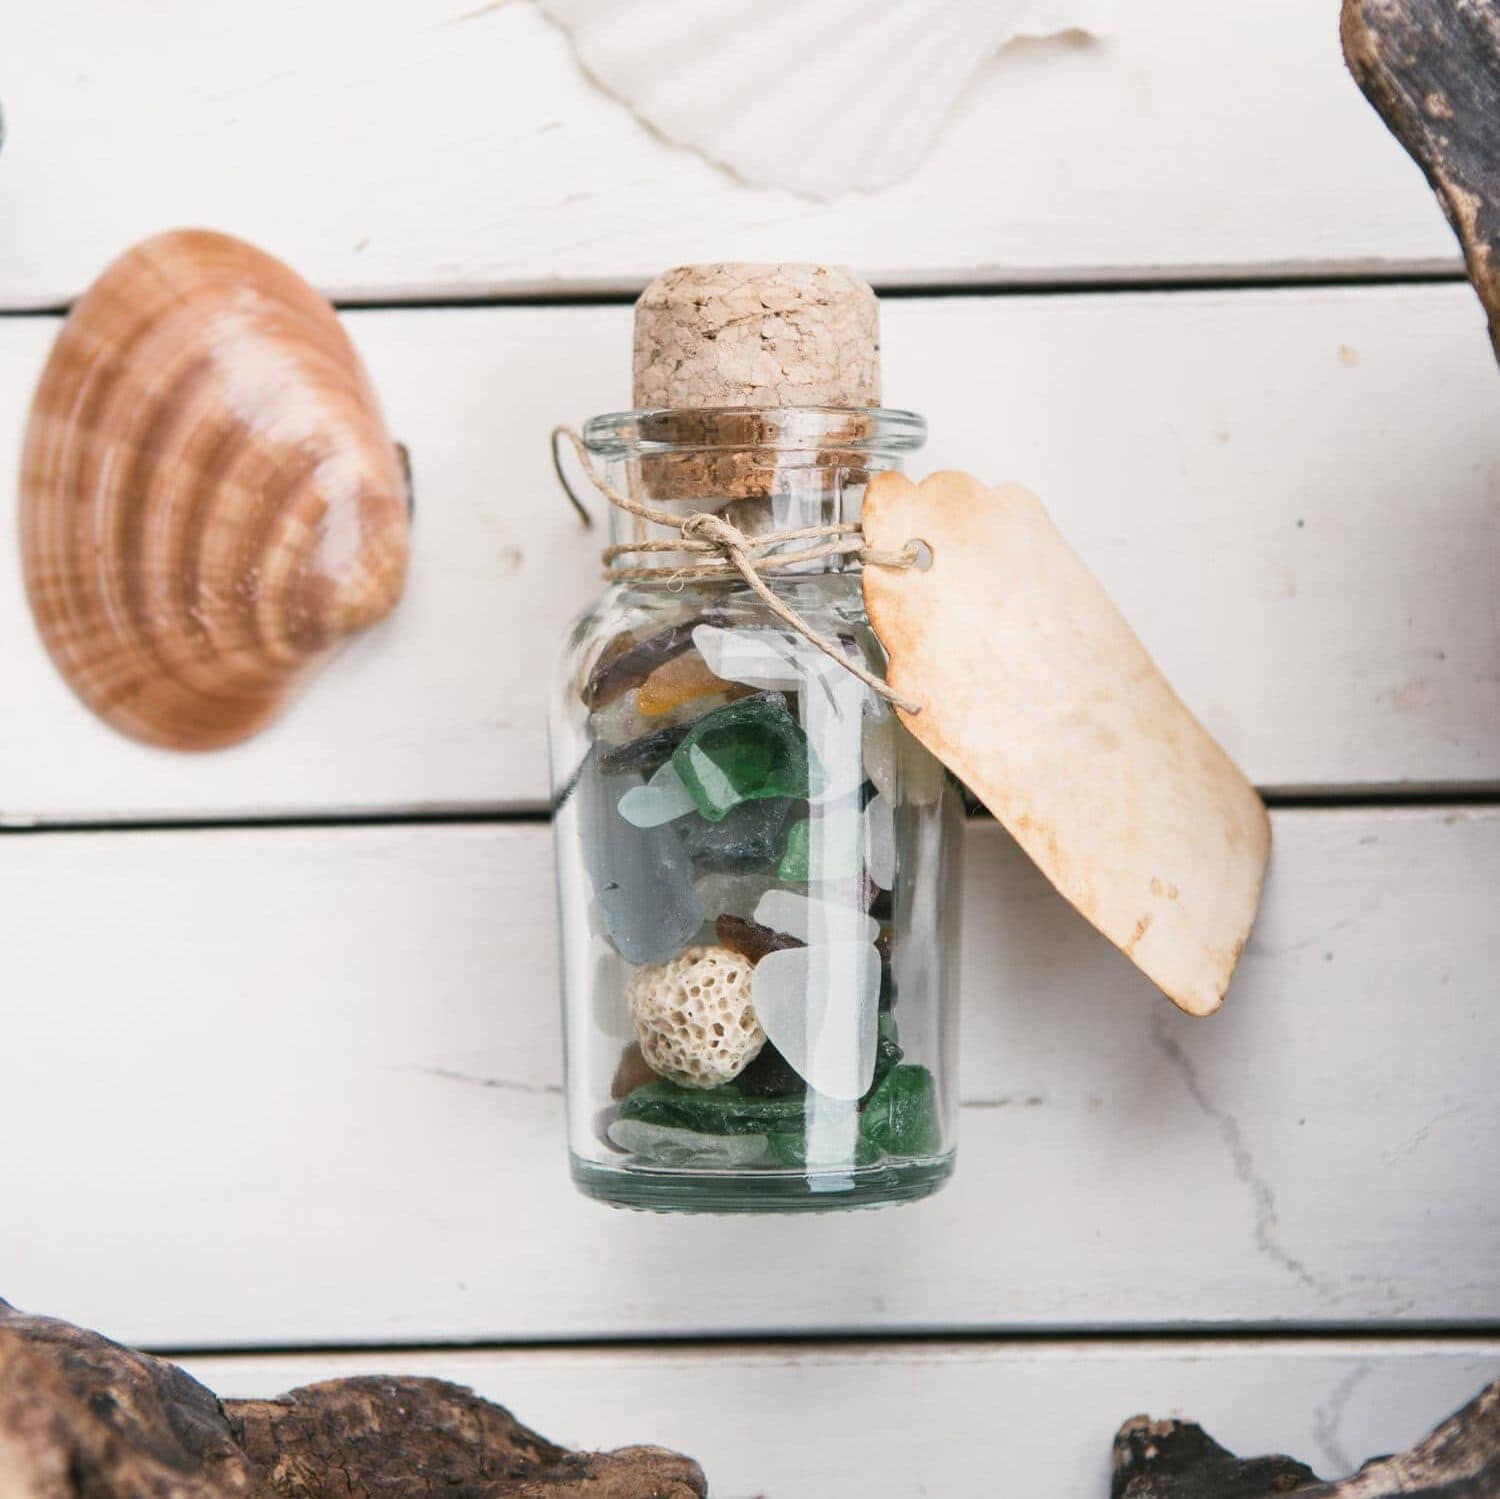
[(1178, 1460), (82, 1417), (1432, 70)]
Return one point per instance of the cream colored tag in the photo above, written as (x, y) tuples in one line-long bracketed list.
[(1037, 694)]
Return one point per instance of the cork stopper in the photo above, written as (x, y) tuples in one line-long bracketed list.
[(748, 337), (756, 335)]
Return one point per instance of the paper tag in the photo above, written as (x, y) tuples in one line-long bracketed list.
[(1037, 694)]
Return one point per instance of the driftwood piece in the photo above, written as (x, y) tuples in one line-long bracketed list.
[(84, 1418), (1432, 70), (1178, 1460)]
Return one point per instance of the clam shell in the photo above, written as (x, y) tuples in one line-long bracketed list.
[(819, 96), (210, 503)]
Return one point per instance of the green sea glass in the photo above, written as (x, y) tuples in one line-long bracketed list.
[(789, 1148), (901, 1115), (839, 853), (743, 752), (713, 1111), (888, 1053)]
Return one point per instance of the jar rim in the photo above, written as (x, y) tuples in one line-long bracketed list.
[(697, 429)]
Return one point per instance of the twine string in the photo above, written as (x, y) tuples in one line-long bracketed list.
[(724, 548)]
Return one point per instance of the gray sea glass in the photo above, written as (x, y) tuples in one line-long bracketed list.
[(749, 838), (642, 878)]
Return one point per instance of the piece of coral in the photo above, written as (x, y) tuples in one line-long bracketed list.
[(694, 1018)]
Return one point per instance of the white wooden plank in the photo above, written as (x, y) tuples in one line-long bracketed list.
[(1292, 495), (299, 1086), (953, 1419), (450, 148)]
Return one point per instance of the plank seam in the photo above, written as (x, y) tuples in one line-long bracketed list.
[(1350, 278), (1424, 801), (1124, 1336)]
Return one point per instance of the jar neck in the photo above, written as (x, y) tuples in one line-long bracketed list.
[(762, 470)]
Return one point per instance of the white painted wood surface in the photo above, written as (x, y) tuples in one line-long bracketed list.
[(1292, 494), (300, 1086), (452, 148), (954, 1419)]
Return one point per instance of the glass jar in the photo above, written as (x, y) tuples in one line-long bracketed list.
[(757, 864)]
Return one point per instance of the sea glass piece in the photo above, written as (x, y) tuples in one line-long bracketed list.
[(901, 1115), (642, 879), (878, 738), (749, 750), (833, 710), (672, 1146), (619, 722), (819, 1008), (770, 1075), (676, 682), (736, 894), (888, 1052), (647, 753), (713, 1111), (748, 839), (832, 699), (634, 1071), (904, 771), (626, 663), (760, 658), (880, 842), (831, 847), (798, 1148), (750, 939), (662, 799), (813, 920)]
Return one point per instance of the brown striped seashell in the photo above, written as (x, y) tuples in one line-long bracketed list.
[(210, 503)]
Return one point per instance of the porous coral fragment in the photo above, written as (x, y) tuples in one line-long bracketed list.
[(693, 1016)]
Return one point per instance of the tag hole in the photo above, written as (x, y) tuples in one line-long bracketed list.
[(924, 554)]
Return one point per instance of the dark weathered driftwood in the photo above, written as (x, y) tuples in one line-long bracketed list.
[(1177, 1460), (83, 1418), (1432, 69)]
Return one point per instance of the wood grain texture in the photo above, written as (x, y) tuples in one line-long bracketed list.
[(1292, 496), (450, 148), (246, 1051), (896, 1422)]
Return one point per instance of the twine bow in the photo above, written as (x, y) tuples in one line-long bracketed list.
[(724, 548)]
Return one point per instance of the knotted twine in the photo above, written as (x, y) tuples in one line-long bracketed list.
[(724, 548)]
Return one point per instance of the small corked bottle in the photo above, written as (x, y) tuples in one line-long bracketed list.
[(757, 864)]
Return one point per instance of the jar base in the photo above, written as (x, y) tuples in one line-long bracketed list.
[(665, 1190)]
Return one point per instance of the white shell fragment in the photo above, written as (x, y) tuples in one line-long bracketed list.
[(662, 799), (693, 1016), (819, 1006), (1037, 694), (819, 96), (812, 920)]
